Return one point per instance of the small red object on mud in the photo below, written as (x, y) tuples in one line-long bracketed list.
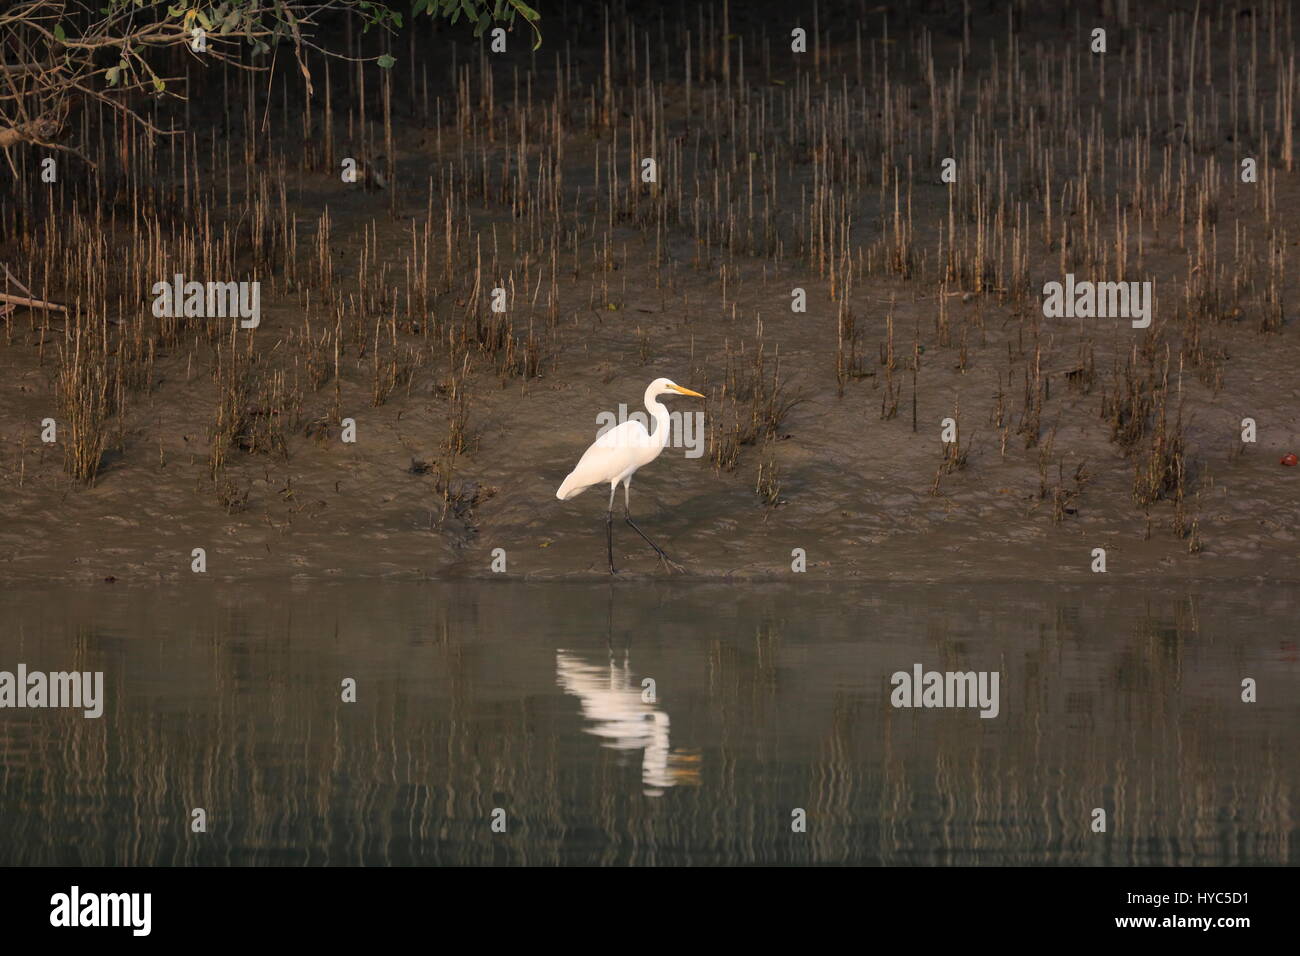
[(1290, 459)]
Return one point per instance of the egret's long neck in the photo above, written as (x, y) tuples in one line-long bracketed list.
[(659, 436)]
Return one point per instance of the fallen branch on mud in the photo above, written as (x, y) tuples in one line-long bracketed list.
[(33, 303)]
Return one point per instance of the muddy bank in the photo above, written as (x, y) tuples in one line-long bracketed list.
[(923, 303), (855, 492)]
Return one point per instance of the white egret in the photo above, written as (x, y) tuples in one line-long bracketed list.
[(613, 700), (617, 454)]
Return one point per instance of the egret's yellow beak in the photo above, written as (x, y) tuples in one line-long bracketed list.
[(685, 391)]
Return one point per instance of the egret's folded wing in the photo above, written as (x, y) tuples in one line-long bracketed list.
[(607, 458)]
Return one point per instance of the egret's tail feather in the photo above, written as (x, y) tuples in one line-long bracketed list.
[(570, 488)]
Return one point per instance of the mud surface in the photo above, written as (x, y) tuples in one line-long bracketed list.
[(855, 488)]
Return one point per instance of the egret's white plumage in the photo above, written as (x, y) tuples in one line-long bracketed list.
[(616, 455), (613, 701)]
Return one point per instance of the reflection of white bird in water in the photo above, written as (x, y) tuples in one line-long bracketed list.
[(617, 454), (627, 722)]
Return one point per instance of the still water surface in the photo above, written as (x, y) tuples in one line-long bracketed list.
[(531, 699)]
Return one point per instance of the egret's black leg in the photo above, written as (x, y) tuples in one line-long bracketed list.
[(632, 524), (627, 515), (609, 530)]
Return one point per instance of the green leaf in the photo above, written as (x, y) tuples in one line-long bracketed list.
[(528, 12), (532, 16), (158, 85), (59, 34), (385, 61)]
